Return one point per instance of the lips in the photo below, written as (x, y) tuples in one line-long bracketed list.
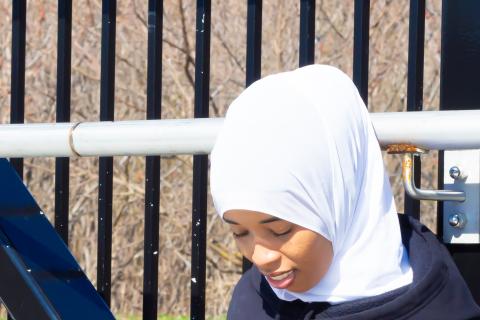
[(281, 280)]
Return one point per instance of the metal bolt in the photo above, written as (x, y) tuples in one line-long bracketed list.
[(456, 173), (456, 220)]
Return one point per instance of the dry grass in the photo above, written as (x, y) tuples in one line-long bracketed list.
[(334, 45)]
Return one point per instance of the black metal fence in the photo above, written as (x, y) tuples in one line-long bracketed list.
[(154, 81)]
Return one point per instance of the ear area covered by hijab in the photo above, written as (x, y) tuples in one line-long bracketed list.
[(300, 146)]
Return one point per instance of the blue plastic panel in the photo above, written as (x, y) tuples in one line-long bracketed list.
[(40, 250)]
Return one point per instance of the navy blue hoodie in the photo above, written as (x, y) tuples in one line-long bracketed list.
[(438, 291)]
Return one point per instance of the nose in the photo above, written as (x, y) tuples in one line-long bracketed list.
[(265, 258)]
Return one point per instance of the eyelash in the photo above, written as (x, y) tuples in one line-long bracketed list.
[(235, 235)]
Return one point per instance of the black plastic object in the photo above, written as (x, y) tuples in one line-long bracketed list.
[(460, 90)]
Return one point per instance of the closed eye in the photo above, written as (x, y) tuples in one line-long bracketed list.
[(276, 234), (239, 235)]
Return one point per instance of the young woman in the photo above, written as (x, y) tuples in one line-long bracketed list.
[(298, 175)]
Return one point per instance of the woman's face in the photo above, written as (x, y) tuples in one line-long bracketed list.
[(291, 257)]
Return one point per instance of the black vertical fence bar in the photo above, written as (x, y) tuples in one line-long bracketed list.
[(416, 40), (360, 47), (17, 98), (307, 32), (254, 41), (62, 171), (200, 163), (254, 57), (152, 172), (107, 86)]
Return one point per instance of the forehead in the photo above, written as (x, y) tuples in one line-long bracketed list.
[(238, 216)]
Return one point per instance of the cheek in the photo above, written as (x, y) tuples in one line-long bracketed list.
[(306, 245), (241, 247), (244, 246), (312, 255)]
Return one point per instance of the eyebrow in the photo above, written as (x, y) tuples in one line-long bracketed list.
[(272, 219)]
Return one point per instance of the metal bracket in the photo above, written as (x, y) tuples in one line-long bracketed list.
[(408, 152), (461, 222), (461, 199), (422, 194)]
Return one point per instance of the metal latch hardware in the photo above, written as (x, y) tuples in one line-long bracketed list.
[(408, 152)]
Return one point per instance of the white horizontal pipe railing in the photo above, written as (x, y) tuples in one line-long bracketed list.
[(432, 130)]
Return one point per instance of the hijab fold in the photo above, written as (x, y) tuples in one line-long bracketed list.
[(300, 146)]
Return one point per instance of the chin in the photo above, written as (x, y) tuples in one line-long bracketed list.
[(301, 288)]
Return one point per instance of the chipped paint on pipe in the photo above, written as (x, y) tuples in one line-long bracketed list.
[(431, 130)]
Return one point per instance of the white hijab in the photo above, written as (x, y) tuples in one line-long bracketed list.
[(300, 146)]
